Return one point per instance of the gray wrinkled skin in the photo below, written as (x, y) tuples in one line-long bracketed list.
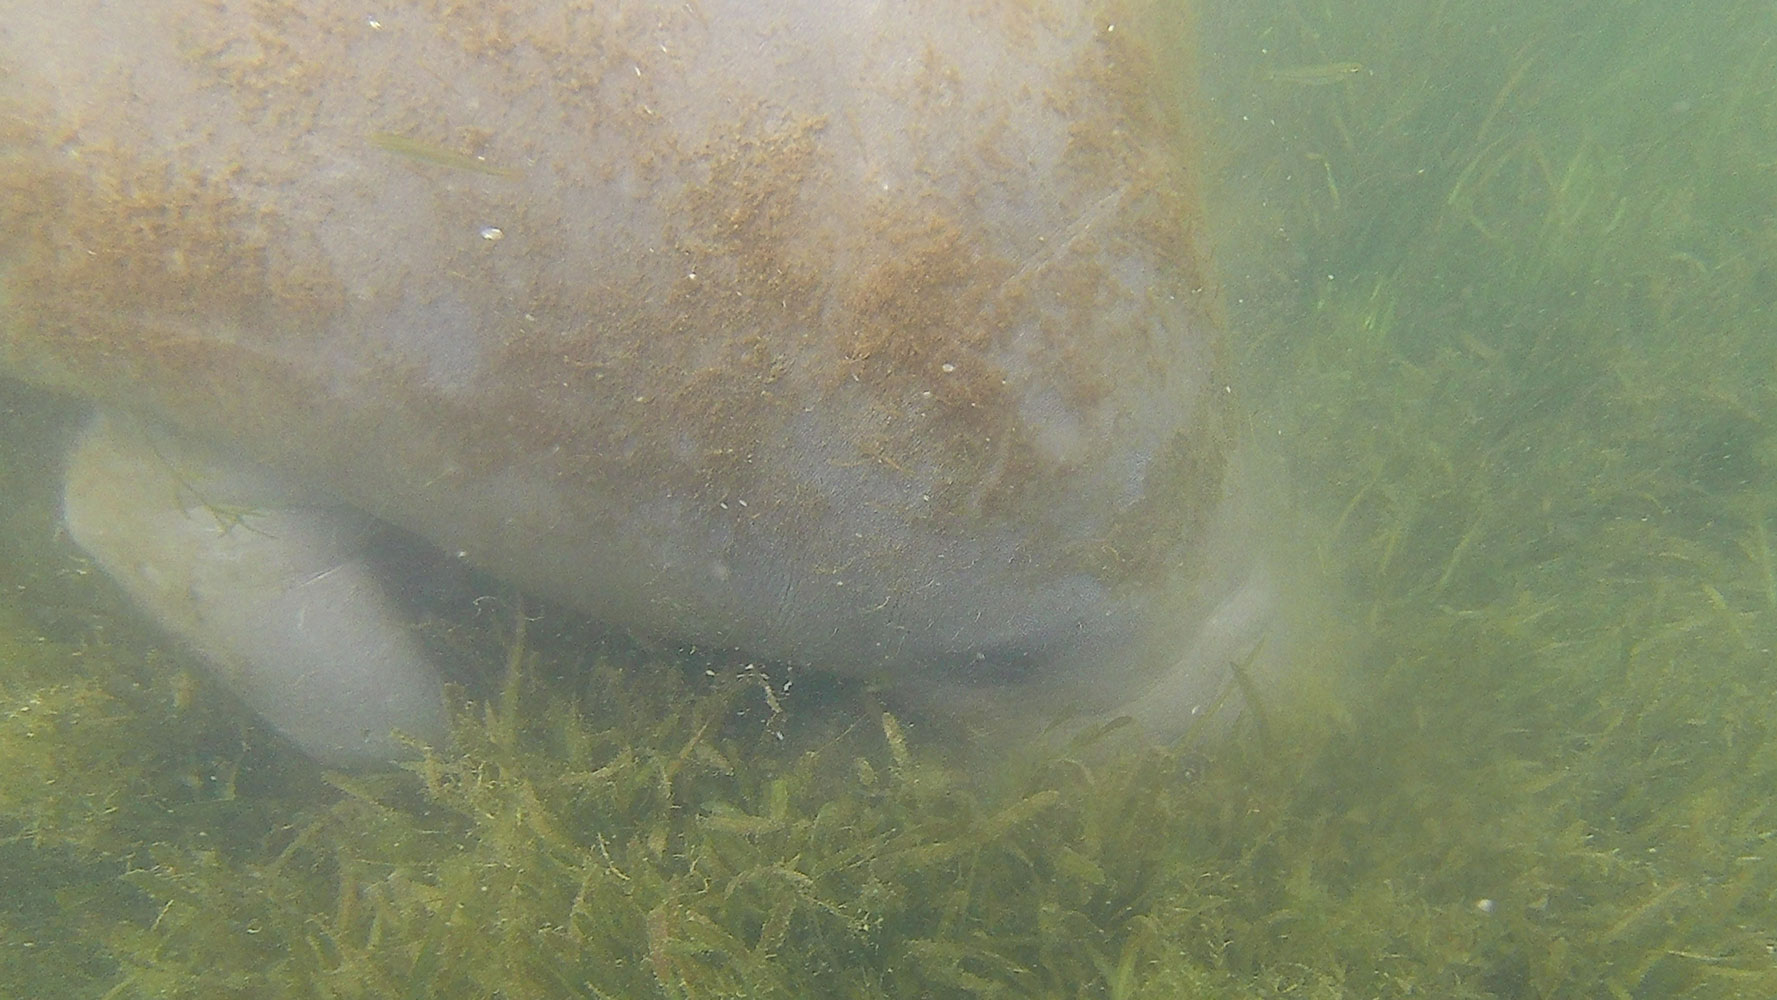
[(871, 336)]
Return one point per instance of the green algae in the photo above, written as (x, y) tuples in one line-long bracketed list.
[(1505, 299)]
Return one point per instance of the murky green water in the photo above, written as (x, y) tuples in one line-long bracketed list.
[(1503, 279)]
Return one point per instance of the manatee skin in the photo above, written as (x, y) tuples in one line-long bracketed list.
[(870, 336), (270, 583)]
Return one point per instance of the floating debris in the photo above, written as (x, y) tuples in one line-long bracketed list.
[(1318, 75), (426, 152)]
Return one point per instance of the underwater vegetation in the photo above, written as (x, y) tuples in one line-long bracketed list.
[(1504, 298)]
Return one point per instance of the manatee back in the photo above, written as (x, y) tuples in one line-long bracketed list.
[(867, 335)]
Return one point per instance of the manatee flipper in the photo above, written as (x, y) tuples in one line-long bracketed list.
[(271, 585)]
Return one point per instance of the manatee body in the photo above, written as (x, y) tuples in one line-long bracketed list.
[(870, 336)]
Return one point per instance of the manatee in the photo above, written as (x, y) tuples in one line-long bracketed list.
[(874, 337)]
